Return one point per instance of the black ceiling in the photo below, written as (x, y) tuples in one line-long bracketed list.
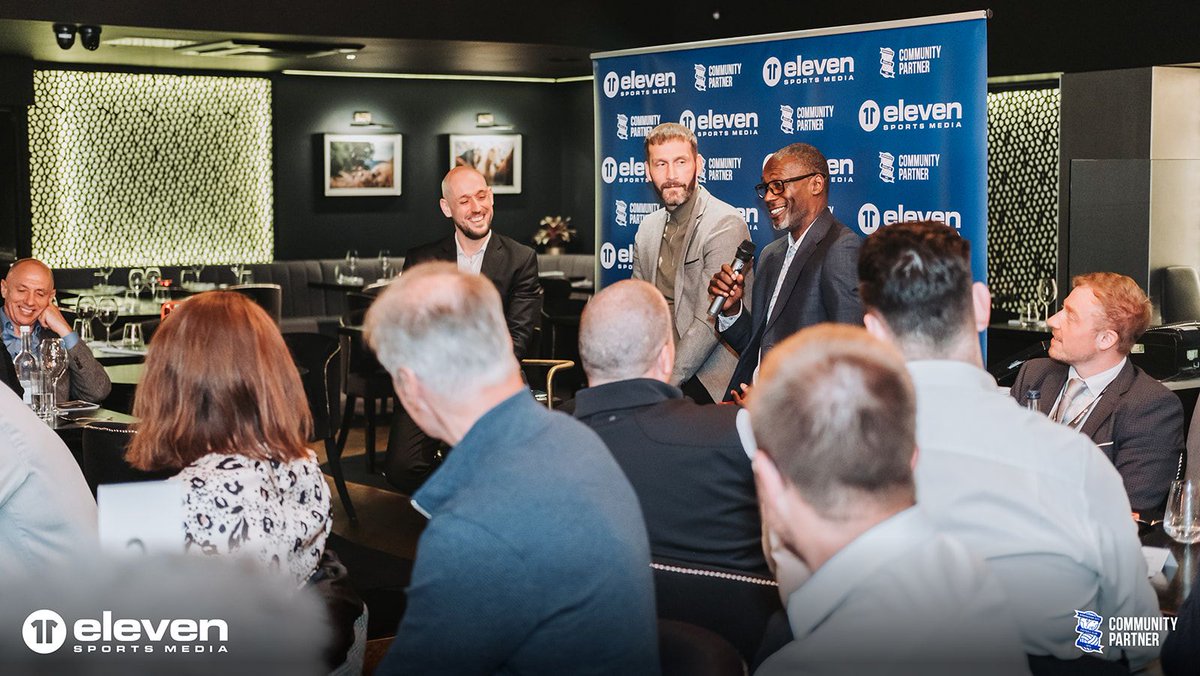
[(553, 38)]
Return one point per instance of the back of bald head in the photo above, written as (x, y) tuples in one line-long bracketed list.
[(444, 325), (622, 331)]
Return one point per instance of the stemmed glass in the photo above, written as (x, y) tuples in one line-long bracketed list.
[(54, 365), (385, 264), (153, 281), (237, 269), (1182, 518), (85, 312), (107, 312), (352, 263), (137, 279), (102, 273), (1047, 292)]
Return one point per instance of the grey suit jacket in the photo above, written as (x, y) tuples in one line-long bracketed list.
[(85, 378), (821, 286), (1138, 424), (709, 244)]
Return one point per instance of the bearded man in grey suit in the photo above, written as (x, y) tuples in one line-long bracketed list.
[(678, 249)]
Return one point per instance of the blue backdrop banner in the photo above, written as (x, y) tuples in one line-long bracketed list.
[(899, 109)]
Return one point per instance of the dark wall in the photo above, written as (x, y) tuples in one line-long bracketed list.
[(555, 153), (1104, 116)]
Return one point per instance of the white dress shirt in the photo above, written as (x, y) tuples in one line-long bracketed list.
[(474, 262), (724, 322), (900, 599), (1037, 500), (47, 514), (1095, 387)]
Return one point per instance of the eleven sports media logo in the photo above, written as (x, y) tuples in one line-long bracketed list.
[(904, 116), (45, 631), (871, 218)]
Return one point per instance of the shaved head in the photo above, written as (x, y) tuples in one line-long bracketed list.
[(20, 265), (622, 332)]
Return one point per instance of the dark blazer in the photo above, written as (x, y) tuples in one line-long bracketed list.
[(821, 286), (1138, 424), (8, 374), (512, 267), (689, 471)]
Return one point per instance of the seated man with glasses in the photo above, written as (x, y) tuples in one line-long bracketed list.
[(806, 278)]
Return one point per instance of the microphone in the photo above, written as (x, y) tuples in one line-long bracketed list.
[(744, 253)]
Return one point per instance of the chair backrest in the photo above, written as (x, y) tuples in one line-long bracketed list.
[(104, 445), (321, 358), (269, 296), (687, 650), (556, 295), (1181, 294), (357, 304), (735, 606)]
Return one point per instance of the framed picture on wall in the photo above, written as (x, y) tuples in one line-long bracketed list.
[(362, 165), (496, 156)]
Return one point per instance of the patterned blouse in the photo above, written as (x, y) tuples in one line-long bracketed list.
[(274, 512)]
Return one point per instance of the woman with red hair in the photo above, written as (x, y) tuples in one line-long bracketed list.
[(222, 402)]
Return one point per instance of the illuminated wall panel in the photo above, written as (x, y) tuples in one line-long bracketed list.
[(1022, 192), (150, 169)]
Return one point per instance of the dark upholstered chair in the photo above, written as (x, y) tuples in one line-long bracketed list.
[(1181, 294), (268, 296), (365, 377), (559, 313), (320, 357), (687, 650), (104, 445), (735, 606)]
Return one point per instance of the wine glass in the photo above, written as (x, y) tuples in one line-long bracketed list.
[(1047, 292), (197, 268), (54, 365), (237, 269), (352, 263), (106, 269), (1182, 518), (85, 311), (107, 312), (137, 279), (385, 264), (153, 281)]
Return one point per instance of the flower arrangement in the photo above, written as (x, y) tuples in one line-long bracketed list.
[(555, 231)]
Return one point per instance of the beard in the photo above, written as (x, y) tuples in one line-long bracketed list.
[(678, 200), (473, 234)]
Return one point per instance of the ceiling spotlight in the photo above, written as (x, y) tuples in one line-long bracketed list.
[(89, 37), (64, 33)]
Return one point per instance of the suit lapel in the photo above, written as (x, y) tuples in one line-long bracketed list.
[(816, 233), (686, 253), (1051, 386), (494, 257), (1112, 396)]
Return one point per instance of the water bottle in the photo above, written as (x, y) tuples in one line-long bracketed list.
[(1032, 399), (29, 372)]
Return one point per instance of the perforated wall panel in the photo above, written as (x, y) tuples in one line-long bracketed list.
[(150, 169)]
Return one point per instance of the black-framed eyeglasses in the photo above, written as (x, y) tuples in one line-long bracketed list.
[(776, 186)]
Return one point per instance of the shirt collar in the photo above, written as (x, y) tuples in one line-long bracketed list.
[(951, 372), (502, 428), (623, 394), (458, 247), (684, 212), (794, 242), (1101, 380), (823, 593)]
